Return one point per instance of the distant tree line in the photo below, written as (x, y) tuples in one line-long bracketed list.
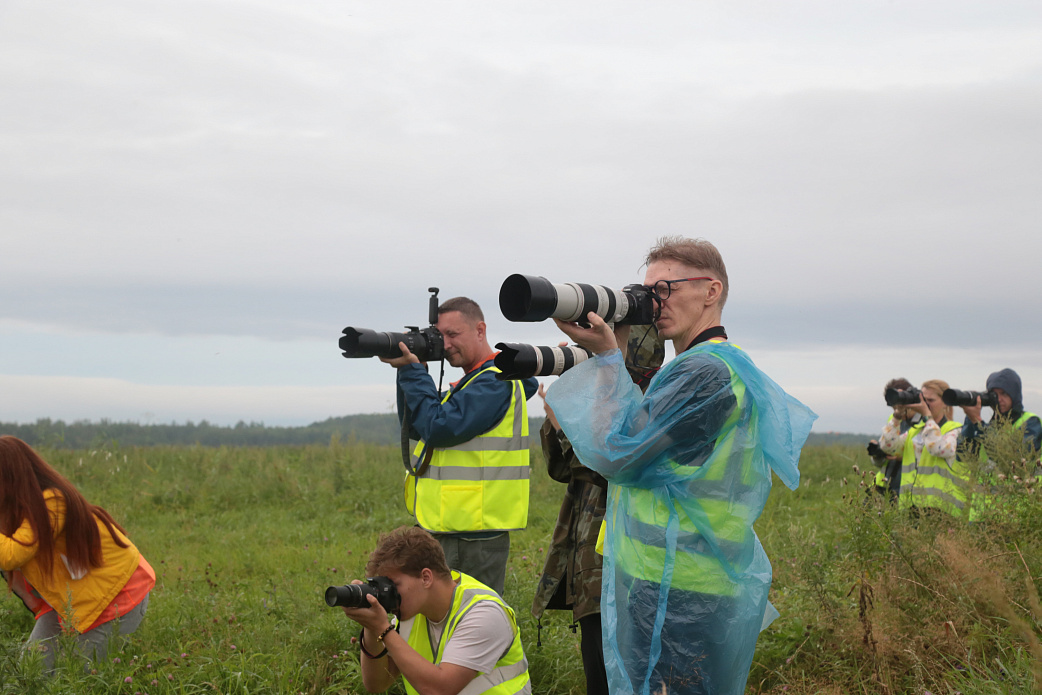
[(377, 428)]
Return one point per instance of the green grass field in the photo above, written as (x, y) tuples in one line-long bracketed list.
[(245, 541)]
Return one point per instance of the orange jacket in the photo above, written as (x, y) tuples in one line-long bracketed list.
[(78, 601)]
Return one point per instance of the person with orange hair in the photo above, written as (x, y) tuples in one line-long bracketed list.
[(67, 559)]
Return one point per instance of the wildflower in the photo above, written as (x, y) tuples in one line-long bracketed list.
[(234, 647), (116, 660), (184, 654), (155, 681), (128, 679)]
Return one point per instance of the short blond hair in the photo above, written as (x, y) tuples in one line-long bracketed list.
[(939, 386), (697, 253)]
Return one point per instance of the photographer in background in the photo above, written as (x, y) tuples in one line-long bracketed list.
[(572, 571), (471, 461), (932, 477), (1006, 385), (689, 466), (456, 635), (888, 479)]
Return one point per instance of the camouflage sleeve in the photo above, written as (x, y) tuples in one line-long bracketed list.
[(557, 452)]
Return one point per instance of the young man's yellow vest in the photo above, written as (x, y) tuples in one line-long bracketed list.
[(481, 484), (511, 672)]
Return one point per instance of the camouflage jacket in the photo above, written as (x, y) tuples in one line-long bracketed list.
[(572, 572)]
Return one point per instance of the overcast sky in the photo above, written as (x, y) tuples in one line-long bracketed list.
[(197, 196)]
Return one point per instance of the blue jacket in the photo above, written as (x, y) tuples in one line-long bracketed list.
[(1009, 381), (473, 411)]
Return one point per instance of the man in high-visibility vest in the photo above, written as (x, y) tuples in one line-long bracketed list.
[(468, 482), (1006, 385), (456, 636), (689, 464)]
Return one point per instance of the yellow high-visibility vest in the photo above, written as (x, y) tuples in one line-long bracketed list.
[(696, 566), (510, 674), (481, 484), (931, 482)]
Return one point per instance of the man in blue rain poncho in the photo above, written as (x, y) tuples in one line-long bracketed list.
[(689, 465)]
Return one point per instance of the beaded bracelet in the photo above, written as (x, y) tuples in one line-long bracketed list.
[(361, 644), (384, 634)]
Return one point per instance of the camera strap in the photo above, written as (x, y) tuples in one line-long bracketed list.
[(425, 454)]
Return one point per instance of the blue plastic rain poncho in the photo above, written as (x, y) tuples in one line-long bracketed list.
[(689, 463)]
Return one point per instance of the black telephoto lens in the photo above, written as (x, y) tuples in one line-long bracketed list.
[(969, 398), (355, 595), (349, 595), (362, 342), (426, 344), (902, 397)]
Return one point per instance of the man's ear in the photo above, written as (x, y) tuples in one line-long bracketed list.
[(480, 327), (714, 292), (427, 576)]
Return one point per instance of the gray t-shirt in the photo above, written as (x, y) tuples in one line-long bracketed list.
[(481, 638)]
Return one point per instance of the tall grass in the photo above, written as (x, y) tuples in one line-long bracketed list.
[(876, 601), (244, 542)]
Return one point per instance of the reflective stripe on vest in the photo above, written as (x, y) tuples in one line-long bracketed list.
[(510, 675), (481, 484), (932, 482), (1022, 420), (698, 565)]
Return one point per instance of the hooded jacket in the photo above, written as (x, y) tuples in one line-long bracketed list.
[(1009, 381)]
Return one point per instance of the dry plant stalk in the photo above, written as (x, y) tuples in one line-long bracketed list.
[(986, 588)]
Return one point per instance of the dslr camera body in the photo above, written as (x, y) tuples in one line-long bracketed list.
[(356, 595), (426, 343)]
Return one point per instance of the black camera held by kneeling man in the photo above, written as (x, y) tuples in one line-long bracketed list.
[(902, 396), (427, 343), (967, 398), (356, 595)]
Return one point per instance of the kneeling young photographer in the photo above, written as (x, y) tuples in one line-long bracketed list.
[(456, 635)]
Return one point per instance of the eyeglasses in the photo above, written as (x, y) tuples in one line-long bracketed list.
[(664, 288)]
